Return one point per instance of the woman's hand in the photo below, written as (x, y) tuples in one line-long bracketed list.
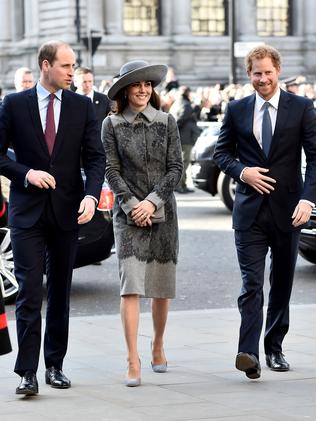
[(142, 213)]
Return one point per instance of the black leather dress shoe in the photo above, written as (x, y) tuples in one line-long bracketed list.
[(277, 362), (56, 378), (28, 385), (248, 363)]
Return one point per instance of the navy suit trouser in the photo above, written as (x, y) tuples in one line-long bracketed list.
[(252, 247), (41, 246)]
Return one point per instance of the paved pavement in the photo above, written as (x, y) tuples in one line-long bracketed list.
[(201, 384)]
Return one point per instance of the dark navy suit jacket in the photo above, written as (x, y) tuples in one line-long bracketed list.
[(77, 135), (238, 148), (102, 107)]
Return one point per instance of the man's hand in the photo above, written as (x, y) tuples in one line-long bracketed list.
[(86, 210), (301, 214), (41, 179), (254, 176), (142, 213)]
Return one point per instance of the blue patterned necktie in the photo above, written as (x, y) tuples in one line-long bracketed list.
[(266, 129)]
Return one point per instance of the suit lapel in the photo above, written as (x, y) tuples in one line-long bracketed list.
[(282, 114), (248, 119), (95, 98), (35, 118)]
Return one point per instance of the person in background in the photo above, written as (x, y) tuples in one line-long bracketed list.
[(260, 146), (84, 82), (143, 167), (23, 79), (171, 81), (186, 118), (50, 129)]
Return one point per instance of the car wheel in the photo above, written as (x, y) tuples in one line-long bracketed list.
[(226, 188), (309, 255), (8, 283)]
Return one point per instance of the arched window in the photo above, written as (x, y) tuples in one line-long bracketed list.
[(142, 17), (209, 17), (273, 17)]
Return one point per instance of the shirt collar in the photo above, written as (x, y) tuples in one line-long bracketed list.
[(43, 93), (149, 113), (90, 95), (274, 101)]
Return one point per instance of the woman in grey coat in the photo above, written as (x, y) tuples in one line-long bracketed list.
[(143, 167)]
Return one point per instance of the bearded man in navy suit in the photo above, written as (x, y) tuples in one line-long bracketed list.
[(49, 128), (260, 146)]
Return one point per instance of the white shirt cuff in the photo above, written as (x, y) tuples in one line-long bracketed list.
[(92, 197), (26, 181), (307, 201), (241, 174)]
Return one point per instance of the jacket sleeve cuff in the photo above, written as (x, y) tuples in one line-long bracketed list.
[(129, 205), (155, 199)]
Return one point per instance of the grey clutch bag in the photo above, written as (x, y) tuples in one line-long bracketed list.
[(158, 216)]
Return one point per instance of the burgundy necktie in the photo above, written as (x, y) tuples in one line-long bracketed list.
[(50, 132)]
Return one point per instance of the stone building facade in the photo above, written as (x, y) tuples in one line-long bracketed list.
[(197, 59)]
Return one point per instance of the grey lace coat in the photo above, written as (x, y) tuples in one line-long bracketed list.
[(143, 160)]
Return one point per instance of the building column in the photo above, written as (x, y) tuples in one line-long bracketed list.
[(309, 18), (114, 17), (5, 27), (181, 22), (31, 20), (297, 18), (95, 15), (245, 20), (166, 17), (309, 37)]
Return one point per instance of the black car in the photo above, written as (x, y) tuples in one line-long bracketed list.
[(95, 243), (307, 243), (205, 173)]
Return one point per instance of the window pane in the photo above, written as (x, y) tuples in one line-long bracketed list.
[(141, 17), (208, 17), (273, 17)]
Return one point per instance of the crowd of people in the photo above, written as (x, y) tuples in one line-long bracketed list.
[(141, 141)]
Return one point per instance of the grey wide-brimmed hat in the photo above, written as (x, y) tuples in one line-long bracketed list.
[(135, 71)]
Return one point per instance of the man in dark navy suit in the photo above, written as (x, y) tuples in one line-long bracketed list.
[(260, 146), (84, 82), (50, 128)]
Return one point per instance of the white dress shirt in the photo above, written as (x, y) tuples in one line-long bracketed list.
[(258, 114), (43, 100)]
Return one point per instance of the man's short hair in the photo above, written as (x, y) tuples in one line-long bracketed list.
[(82, 71), (260, 52), (48, 51)]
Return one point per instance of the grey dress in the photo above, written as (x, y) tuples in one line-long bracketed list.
[(143, 161)]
